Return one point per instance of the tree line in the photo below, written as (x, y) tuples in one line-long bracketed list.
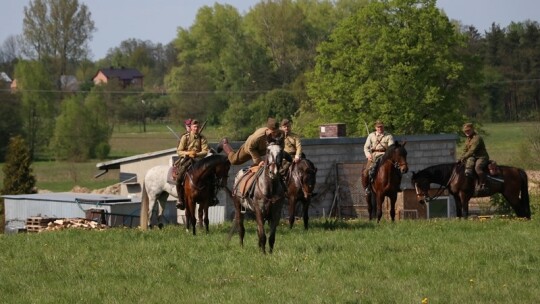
[(312, 61)]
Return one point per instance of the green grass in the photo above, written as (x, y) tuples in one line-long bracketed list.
[(445, 261)]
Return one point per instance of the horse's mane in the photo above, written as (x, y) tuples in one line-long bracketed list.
[(390, 151), (306, 165), (208, 161), (436, 171)]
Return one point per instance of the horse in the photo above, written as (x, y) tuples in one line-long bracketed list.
[(386, 183), (265, 199), (511, 182), (156, 188), (300, 185), (202, 182)]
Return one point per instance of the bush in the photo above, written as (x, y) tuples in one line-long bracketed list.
[(102, 150)]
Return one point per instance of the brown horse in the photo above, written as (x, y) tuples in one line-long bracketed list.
[(265, 199), (511, 182), (201, 184), (387, 181), (300, 185)]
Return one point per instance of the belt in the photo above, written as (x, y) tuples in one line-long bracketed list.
[(379, 150)]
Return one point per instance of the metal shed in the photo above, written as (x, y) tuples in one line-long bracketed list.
[(115, 210)]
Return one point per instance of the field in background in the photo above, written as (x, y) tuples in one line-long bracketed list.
[(505, 142)]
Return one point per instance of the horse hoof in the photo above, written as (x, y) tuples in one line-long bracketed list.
[(160, 225)]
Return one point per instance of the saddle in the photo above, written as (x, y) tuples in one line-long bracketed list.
[(493, 168), (246, 185)]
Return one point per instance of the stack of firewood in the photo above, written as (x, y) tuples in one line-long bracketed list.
[(39, 224), (78, 223)]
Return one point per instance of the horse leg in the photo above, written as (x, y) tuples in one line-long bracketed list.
[(292, 210), (206, 220), (200, 212), (162, 200), (459, 210), (380, 200), (305, 211), (260, 229), (191, 220), (393, 207), (369, 200), (274, 221), (239, 219)]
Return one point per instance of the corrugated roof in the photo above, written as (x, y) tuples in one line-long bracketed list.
[(115, 164), (72, 197)]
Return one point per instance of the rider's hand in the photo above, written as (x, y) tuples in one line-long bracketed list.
[(192, 154), (296, 159)]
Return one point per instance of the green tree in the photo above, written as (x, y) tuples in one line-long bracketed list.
[(39, 109), (395, 61), (18, 177), (10, 119), (59, 31)]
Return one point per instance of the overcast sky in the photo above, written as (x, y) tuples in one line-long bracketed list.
[(158, 20)]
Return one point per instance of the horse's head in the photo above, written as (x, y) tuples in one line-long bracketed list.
[(308, 177), (398, 155), (274, 158), (421, 184)]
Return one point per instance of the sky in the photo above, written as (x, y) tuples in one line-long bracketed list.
[(159, 20)]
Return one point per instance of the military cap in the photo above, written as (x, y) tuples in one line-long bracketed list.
[(468, 126), (272, 124)]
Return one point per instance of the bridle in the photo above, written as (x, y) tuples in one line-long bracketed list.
[(426, 197)]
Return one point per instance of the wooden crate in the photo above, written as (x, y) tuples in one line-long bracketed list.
[(37, 223)]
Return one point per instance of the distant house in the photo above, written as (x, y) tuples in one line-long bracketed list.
[(125, 77)]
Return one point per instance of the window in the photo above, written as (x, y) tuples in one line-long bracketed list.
[(439, 207)]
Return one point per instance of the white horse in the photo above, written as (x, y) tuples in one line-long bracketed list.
[(156, 188)]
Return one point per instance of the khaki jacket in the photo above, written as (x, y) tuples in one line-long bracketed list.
[(376, 144), (192, 142), (293, 146), (474, 147)]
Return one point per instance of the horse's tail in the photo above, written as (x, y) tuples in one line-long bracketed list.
[(145, 201), (525, 203)]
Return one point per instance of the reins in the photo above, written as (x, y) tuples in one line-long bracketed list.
[(441, 188)]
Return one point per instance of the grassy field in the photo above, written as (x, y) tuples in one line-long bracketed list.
[(445, 261)]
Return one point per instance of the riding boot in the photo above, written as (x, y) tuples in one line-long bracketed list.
[(365, 181), (482, 181), (180, 204)]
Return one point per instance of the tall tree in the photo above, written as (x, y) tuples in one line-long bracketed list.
[(394, 60), (10, 119), (39, 108), (18, 177), (58, 31)]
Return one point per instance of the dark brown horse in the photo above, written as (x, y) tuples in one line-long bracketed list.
[(387, 181), (265, 199), (201, 184), (300, 185), (511, 182)]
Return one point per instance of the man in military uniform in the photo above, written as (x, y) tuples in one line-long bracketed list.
[(292, 145), (475, 155), (254, 147), (376, 144), (192, 146)]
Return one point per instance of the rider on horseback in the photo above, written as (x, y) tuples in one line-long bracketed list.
[(475, 155), (293, 146), (192, 146), (376, 144), (255, 145)]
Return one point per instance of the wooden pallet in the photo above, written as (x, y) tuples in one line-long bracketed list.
[(37, 223)]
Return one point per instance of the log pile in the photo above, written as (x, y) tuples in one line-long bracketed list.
[(38, 224)]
